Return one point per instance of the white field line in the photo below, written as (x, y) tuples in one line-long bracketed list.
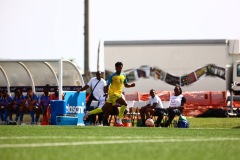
[(58, 144), (80, 137)]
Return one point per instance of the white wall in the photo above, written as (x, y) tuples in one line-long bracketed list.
[(176, 59)]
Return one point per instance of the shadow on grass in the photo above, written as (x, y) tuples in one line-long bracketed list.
[(211, 112), (238, 127)]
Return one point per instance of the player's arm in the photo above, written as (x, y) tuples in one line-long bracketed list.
[(183, 101), (84, 88), (129, 85), (106, 89), (34, 100)]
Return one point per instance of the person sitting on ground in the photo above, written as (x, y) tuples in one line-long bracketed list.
[(176, 105), (154, 107)]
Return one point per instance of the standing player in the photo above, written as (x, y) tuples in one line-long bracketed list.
[(115, 83)]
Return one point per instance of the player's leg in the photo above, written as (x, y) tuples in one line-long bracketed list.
[(31, 112), (171, 115), (17, 111), (159, 113), (10, 113), (142, 112), (95, 111), (38, 111), (107, 110), (123, 105), (2, 113), (21, 114), (6, 112), (100, 118)]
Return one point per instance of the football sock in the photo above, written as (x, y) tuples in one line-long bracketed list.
[(122, 109), (96, 111)]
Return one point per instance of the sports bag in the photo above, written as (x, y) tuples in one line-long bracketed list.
[(182, 122)]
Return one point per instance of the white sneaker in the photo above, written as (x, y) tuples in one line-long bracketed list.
[(119, 121), (86, 114)]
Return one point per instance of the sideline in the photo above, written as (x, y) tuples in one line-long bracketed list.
[(59, 144)]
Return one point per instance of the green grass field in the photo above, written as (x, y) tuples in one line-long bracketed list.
[(206, 139)]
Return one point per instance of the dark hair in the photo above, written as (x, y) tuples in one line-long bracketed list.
[(18, 89), (29, 89), (118, 64), (98, 73), (180, 89), (152, 90), (47, 86)]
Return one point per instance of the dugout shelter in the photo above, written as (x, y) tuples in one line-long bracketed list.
[(36, 73)]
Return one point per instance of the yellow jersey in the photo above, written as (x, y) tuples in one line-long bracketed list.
[(115, 83)]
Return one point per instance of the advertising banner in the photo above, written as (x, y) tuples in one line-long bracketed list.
[(75, 104)]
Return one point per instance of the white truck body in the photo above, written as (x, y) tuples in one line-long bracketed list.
[(195, 65)]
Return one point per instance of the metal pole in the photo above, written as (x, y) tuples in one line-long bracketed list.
[(98, 57), (60, 81), (86, 41)]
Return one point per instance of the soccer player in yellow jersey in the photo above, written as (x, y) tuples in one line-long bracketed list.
[(115, 83)]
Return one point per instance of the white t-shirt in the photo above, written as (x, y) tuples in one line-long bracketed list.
[(99, 89), (157, 100), (175, 101)]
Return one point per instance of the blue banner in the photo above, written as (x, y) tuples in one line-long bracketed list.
[(75, 104)]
